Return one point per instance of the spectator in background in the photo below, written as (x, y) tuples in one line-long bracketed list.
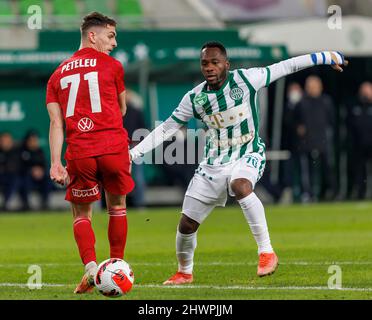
[(9, 168), (133, 120), (34, 171), (359, 123), (315, 126), (289, 140)]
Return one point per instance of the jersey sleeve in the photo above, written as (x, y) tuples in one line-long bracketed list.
[(119, 78), (160, 134), (262, 77), (184, 112), (51, 92), (258, 77)]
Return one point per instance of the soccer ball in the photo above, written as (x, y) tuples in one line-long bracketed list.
[(114, 278)]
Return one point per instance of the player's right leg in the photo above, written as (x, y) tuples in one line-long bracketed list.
[(194, 213), (206, 190), (118, 225), (117, 181)]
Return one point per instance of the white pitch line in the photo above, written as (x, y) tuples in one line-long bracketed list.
[(213, 263), (237, 287), (24, 285), (251, 287)]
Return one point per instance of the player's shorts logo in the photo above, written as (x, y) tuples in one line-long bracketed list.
[(201, 99), (85, 193), (236, 93), (85, 124)]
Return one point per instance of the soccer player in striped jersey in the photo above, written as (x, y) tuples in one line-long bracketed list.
[(234, 158)]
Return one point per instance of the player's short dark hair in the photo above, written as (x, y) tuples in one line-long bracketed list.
[(215, 44), (96, 19)]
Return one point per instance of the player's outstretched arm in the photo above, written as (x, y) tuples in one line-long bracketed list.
[(160, 134), (180, 116), (286, 67), (262, 77)]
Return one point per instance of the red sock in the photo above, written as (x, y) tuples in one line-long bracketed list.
[(117, 232), (85, 239)]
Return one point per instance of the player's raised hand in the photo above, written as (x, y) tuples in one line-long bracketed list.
[(58, 174), (338, 62)]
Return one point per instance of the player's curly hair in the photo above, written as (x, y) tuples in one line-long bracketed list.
[(95, 19)]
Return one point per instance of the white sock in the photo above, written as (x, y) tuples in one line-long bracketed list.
[(254, 213), (91, 267), (185, 248)]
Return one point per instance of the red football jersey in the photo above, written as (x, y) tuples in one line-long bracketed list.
[(87, 87)]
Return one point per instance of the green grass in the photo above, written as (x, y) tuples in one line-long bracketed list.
[(307, 239)]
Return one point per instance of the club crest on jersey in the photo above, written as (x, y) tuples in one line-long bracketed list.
[(236, 93), (201, 99), (85, 124)]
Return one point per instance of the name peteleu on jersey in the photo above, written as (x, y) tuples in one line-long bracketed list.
[(80, 63)]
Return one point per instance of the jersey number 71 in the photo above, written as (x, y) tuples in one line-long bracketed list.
[(74, 79)]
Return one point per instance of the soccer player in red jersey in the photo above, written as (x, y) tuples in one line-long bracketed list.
[(86, 98)]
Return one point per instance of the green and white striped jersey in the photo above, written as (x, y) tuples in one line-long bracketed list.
[(231, 114)]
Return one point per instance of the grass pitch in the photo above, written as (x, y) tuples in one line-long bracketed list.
[(308, 240)]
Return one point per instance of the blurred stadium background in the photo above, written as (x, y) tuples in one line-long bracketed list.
[(159, 43)]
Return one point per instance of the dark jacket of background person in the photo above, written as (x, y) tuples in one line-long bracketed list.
[(133, 120), (360, 121), (290, 168), (32, 158), (9, 159), (315, 118), (359, 124), (9, 168), (34, 171)]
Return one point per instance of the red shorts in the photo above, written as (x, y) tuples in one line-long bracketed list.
[(88, 175)]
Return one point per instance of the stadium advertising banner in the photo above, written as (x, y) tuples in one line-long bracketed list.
[(136, 46)]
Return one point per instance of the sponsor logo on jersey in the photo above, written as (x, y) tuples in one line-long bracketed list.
[(236, 93), (85, 124), (85, 193), (201, 99)]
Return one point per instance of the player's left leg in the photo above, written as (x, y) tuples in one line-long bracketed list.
[(243, 179), (85, 240), (118, 225), (82, 191)]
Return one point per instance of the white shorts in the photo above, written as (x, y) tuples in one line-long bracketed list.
[(211, 183)]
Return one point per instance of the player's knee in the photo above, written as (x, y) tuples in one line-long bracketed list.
[(115, 201), (241, 188), (187, 225), (82, 210)]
